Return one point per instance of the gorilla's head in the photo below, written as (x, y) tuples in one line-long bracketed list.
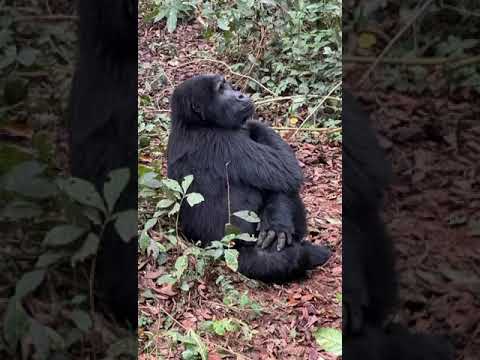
[(210, 100)]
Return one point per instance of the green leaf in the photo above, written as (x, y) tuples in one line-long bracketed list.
[(165, 203), (16, 323), (172, 20), (223, 24), (329, 340), (114, 186), (40, 339), (81, 320), (174, 210), (246, 237), (247, 215), (231, 258), (27, 56), (26, 179), (126, 224), (173, 185), (187, 181), (63, 235), (194, 199), (166, 279), (28, 283), (88, 248), (50, 258), (83, 192), (181, 265)]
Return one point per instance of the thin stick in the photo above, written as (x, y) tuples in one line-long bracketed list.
[(394, 40), (230, 70), (47, 18), (415, 61), (323, 130), (317, 107)]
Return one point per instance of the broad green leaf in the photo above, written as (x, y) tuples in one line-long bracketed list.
[(149, 180), (246, 237), (172, 20), (126, 224), (81, 320), (187, 181), (173, 185), (114, 186), (223, 24), (83, 192), (63, 235), (181, 265), (194, 199), (28, 283), (50, 258), (165, 203), (247, 215), (174, 210), (40, 339), (88, 248), (166, 279), (231, 258), (329, 340), (16, 323)]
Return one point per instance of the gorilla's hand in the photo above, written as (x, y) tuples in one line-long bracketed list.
[(269, 231), (355, 302)]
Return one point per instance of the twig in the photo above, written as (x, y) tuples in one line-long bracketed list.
[(317, 107), (394, 40), (281, 98), (323, 130), (415, 61), (47, 18), (230, 70)]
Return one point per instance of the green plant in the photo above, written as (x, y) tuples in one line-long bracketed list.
[(70, 243), (172, 10)]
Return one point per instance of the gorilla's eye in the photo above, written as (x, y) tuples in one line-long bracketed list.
[(221, 86)]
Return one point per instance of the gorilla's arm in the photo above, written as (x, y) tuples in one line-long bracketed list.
[(277, 217), (262, 166)]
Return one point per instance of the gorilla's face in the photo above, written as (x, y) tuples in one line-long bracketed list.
[(209, 100)]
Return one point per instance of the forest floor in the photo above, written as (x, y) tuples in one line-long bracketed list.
[(432, 208), (290, 313)]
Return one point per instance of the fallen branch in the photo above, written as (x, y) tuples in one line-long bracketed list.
[(230, 70)]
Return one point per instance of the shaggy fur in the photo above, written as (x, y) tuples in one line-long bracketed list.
[(211, 137), (103, 128)]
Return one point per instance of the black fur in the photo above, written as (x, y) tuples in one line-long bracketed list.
[(210, 136), (103, 128), (370, 285), (369, 279)]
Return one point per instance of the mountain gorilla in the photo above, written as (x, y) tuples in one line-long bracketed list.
[(103, 128), (370, 283), (239, 164)]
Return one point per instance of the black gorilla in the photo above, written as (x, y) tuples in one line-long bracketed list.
[(370, 283), (213, 139), (369, 280), (103, 128)]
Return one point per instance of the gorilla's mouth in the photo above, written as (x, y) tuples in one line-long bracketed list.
[(248, 112)]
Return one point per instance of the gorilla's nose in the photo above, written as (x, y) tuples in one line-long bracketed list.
[(242, 97)]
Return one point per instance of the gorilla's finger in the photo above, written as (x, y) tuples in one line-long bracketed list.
[(269, 239), (289, 239), (261, 238), (281, 241), (258, 226)]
